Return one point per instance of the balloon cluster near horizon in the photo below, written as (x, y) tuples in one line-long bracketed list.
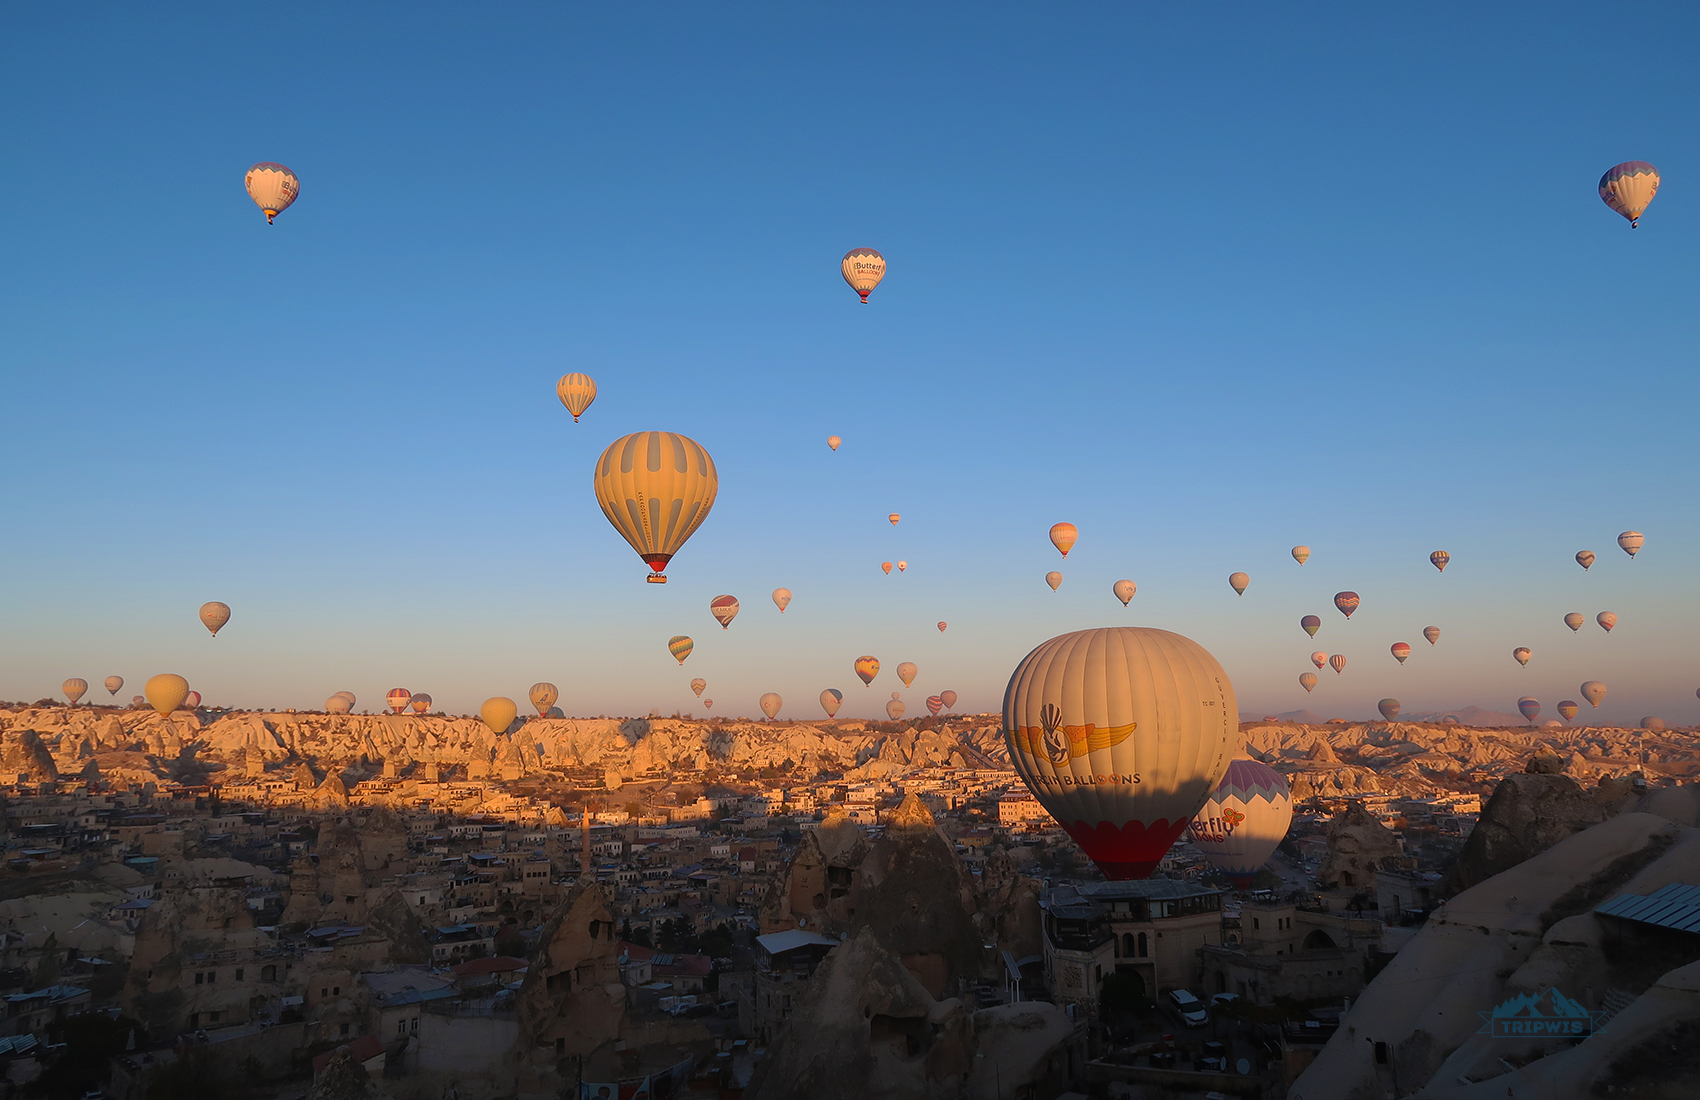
[(656, 488)]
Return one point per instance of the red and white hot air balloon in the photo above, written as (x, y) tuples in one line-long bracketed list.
[(398, 699), (1401, 650), (1244, 820), (1337, 662)]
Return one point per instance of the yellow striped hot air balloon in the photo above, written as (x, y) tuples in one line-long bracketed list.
[(74, 688), (656, 488), (272, 187), (1628, 187), (680, 647), (543, 696), (576, 392), (863, 269)]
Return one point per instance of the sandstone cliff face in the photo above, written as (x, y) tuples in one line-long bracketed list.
[(1358, 844), (816, 893), (572, 1006), (181, 924), (1527, 814)]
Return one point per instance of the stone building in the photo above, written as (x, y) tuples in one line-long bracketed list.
[(1280, 950), (1357, 846), (1155, 929)]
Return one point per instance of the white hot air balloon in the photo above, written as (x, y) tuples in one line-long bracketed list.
[(113, 683), (830, 700), (1244, 820), (770, 704), (781, 598), (1124, 590)]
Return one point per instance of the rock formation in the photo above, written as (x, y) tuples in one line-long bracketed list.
[(572, 1005), (1528, 813), (1357, 845)]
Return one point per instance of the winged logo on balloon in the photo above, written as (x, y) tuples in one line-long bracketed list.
[(1061, 743), (1056, 741)]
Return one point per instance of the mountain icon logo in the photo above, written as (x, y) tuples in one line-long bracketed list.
[(1548, 1012)]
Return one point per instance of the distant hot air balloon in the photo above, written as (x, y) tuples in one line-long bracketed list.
[(1584, 558), (949, 698), (1439, 559), (894, 709), (113, 683), (867, 668), (1593, 691), (1628, 187), (272, 187), (906, 672), (680, 646), (166, 692), (1244, 820), (1124, 590), (942, 626), (420, 703), (697, 685), (1115, 703), (398, 698), (192, 701), (770, 704), (1606, 620), (349, 695), (1347, 602), (1337, 663), (724, 609), (934, 705), (1239, 582), (498, 712), (1574, 620), (543, 696), (1307, 680), (656, 488), (1432, 633), (214, 615), (337, 704), (1530, 706), (1389, 708), (1311, 624), (894, 517), (1631, 542), (74, 689), (902, 565), (1063, 536), (576, 392), (885, 565), (781, 598), (137, 700), (1568, 708), (1651, 724), (830, 700), (833, 441), (863, 269), (1054, 579), (1301, 554), (1401, 650), (708, 704), (1319, 658)]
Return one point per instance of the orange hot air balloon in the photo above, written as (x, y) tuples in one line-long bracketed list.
[(902, 565), (724, 609), (949, 698), (74, 688), (894, 517), (1628, 187), (941, 627), (1401, 650), (1568, 708), (1606, 620), (781, 599), (833, 441), (656, 489), (576, 392), (1063, 536), (697, 685), (885, 565), (1307, 680), (1337, 663), (1239, 582), (708, 704), (398, 698), (543, 696), (867, 668), (1301, 554), (274, 187), (1054, 579), (1347, 602), (863, 268), (1585, 558), (166, 692)]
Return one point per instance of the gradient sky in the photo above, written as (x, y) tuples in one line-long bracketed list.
[(1207, 284)]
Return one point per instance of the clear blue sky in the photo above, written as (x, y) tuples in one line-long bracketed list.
[(1205, 283)]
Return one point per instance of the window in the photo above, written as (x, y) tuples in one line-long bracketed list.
[(194, 1019), (336, 990), (343, 1030), (1143, 947), (416, 1027), (268, 973), (1256, 924), (325, 992), (212, 976), (215, 1016), (239, 973), (199, 977), (401, 1027)]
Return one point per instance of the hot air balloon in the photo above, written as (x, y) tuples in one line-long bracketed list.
[(349, 695), (770, 704), (1054, 579), (697, 686), (1574, 620), (781, 597), (863, 269), (137, 700), (192, 701), (1238, 582), (1311, 624), (906, 672), (934, 705), (708, 704), (867, 668), (1347, 602), (498, 712), (1584, 558), (942, 626), (1389, 709), (833, 441), (1530, 706), (74, 689), (398, 698), (113, 683), (1301, 554), (885, 565), (1439, 559), (420, 703), (1337, 663), (272, 187), (1243, 821), (680, 646), (1629, 187), (336, 704), (166, 692), (656, 488), (1063, 536), (1606, 620), (214, 615), (894, 709), (724, 609), (543, 696), (1593, 691), (1401, 650), (830, 700), (894, 517), (1319, 658), (1651, 724), (1521, 654), (1568, 708), (1432, 633), (1307, 680), (576, 392), (902, 565), (1121, 733), (1124, 590), (1631, 542), (949, 698)]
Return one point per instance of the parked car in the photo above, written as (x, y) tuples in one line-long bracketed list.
[(1223, 1000), (1187, 1008)]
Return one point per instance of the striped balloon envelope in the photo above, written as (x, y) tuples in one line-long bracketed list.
[(697, 685), (656, 488), (863, 269), (1574, 620), (1337, 663), (934, 705), (1244, 820), (1530, 706), (398, 698), (1607, 620), (74, 688), (1347, 602), (680, 646), (1568, 708), (867, 668), (576, 392), (1401, 650), (1439, 559), (543, 696), (1628, 187)]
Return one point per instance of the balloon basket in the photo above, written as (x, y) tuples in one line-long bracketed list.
[(656, 578)]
